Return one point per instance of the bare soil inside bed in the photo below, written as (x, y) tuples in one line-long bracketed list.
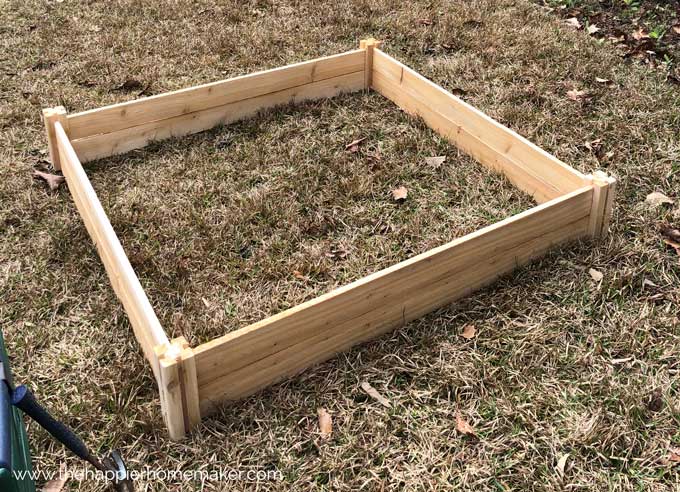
[(230, 226)]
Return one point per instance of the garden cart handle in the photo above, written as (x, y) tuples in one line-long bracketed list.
[(23, 398)]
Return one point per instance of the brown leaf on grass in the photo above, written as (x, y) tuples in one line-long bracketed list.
[(425, 22), (435, 162), (655, 402), (400, 194), (606, 82), (561, 464), (671, 237), (373, 393), (130, 85), (592, 29), (657, 198), (676, 28), (469, 332), (336, 253), (594, 144), (325, 422), (673, 456), (353, 146), (577, 95), (573, 22), (298, 275), (458, 92), (640, 34), (595, 275), (463, 426), (52, 180)]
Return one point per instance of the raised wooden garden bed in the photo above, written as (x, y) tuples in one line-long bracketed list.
[(192, 381)]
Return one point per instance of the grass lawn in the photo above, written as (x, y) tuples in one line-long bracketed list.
[(568, 382)]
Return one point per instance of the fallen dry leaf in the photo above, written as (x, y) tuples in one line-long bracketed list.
[(373, 393), (435, 162), (577, 95), (469, 332), (593, 144), (400, 194), (648, 283), (655, 401), (425, 22), (325, 422), (573, 22), (561, 464), (606, 82), (676, 28), (592, 29), (595, 274), (657, 198), (458, 92), (130, 85), (640, 34), (298, 275), (463, 427), (671, 237), (353, 146), (674, 455), (52, 180)]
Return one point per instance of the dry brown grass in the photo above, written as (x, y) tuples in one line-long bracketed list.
[(537, 382)]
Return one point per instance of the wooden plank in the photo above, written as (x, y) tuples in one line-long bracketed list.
[(50, 117), (368, 45), (145, 324), (609, 205), (104, 145), (296, 358), (170, 390), (398, 293), (530, 168), (163, 106)]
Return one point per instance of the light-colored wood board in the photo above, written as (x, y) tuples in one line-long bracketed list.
[(136, 137), (392, 285), (599, 203), (502, 146), (191, 100), (50, 117), (170, 390), (609, 206), (145, 324), (386, 315)]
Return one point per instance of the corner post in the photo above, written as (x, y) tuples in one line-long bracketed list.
[(178, 387), (51, 116), (368, 45), (604, 190)]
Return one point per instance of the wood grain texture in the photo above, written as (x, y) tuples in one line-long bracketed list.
[(145, 324), (50, 117), (246, 360), (530, 168), (194, 99), (122, 141)]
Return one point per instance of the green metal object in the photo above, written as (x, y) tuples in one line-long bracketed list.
[(15, 455)]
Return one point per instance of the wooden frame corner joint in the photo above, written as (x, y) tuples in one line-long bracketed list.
[(603, 197), (50, 117), (369, 45), (178, 387)]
